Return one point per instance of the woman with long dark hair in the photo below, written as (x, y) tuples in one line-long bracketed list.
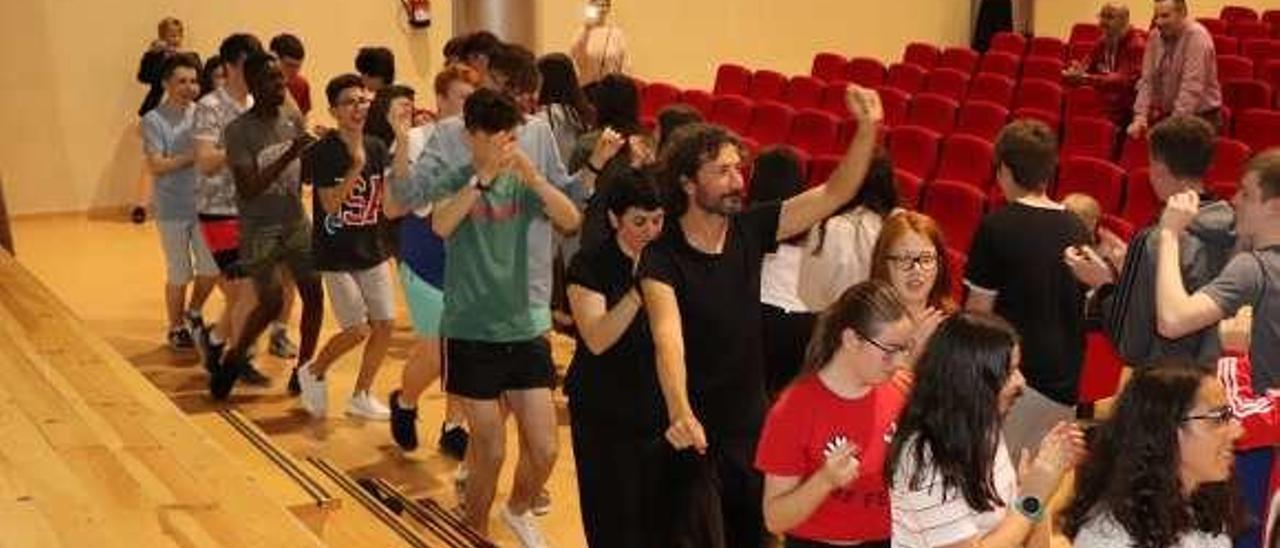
[(561, 101), (824, 442), (952, 481), (838, 251), (777, 175), (1158, 473)]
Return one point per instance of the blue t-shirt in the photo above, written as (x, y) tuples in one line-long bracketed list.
[(167, 131), (422, 250)]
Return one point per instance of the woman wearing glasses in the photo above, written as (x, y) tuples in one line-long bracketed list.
[(952, 480), (1159, 471), (825, 439), (911, 255)]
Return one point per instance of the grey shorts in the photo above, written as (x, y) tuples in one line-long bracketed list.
[(185, 252), (361, 296)]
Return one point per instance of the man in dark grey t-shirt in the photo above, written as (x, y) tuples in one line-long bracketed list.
[(263, 149), (1250, 278)]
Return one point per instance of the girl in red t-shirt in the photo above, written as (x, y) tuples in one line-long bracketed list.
[(824, 442)]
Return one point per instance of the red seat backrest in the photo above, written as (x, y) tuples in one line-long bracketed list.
[(983, 119), (732, 79), (996, 88), (866, 72), (967, 159)]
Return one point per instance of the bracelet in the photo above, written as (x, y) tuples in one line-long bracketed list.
[(593, 169)]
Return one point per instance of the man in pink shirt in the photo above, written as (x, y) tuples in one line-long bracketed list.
[(1179, 71)]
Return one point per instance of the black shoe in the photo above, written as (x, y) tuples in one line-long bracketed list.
[(294, 387), (138, 215), (212, 356), (251, 376), (224, 378), (404, 423), (180, 339), (453, 442), (280, 345)]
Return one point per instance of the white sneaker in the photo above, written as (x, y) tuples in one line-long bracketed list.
[(524, 527), (364, 405), (315, 395)]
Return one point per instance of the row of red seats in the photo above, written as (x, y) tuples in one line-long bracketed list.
[(1244, 29)]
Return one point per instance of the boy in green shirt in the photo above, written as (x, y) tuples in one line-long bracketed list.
[(495, 342)]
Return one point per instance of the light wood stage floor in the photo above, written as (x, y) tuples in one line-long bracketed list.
[(111, 274)]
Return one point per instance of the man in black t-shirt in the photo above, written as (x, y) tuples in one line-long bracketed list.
[(346, 168), (701, 287), (1016, 269)]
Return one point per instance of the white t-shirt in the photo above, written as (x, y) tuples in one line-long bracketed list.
[(845, 259), (924, 517), (1104, 532), (780, 278)]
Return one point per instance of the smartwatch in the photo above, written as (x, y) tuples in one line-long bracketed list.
[(1031, 507)]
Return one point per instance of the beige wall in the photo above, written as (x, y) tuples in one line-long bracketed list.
[(67, 94), (68, 97)]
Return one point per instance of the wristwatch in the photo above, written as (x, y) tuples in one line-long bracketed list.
[(1031, 507)]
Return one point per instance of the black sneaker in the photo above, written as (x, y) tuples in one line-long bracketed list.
[(138, 215), (212, 356), (453, 442), (404, 423), (180, 339), (281, 347), (294, 387), (224, 378), (251, 376)]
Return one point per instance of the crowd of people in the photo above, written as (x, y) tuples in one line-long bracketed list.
[(788, 361)]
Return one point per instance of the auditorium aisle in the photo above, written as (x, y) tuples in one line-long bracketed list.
[(111, 274)]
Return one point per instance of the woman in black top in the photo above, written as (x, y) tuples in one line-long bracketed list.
[(615, 405)]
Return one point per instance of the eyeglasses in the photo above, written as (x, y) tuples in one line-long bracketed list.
[(354, 101), (1218, 416), (890, 350), (927, 261)]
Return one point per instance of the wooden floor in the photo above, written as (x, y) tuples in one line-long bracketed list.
[(111, 274)]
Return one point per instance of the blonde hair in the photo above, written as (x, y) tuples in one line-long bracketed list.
[(1085, 207)]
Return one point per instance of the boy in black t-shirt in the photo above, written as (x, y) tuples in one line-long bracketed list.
[(1016, 269), (346, 167), (701, 286)]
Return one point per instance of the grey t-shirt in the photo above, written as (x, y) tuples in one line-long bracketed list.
[(167, 131), (1253, 278), (216, 193), (256, 141)]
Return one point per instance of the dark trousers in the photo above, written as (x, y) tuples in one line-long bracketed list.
[(717, 497), (622, 484), (785, 337), (993, 16), (1253, 477)]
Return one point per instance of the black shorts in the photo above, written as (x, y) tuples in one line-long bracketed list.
[(484, 370)]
